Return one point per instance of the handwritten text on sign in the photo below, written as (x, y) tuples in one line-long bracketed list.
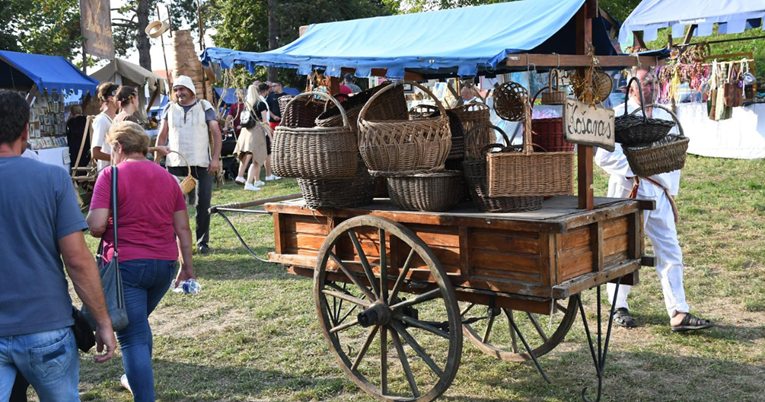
[(583, 124)]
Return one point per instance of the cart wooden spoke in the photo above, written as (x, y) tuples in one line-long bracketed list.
[(387, 310)]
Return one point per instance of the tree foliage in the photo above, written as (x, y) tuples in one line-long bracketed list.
[(49, 27)]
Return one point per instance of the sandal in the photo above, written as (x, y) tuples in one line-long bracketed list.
[(691, 323), (622, 318)]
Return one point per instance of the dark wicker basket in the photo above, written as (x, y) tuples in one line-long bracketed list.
[(300, 114), (547, 136), (662, 156), (632, 130), (426, 191), (391, 106), (339, 193), (510, 99), (475, 176)]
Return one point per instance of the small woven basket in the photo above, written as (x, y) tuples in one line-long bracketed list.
[(665, 155), (300, 114), (339, 193), (317, 152), (437, 191), (189, 182), (472, 115), (632, 130), (392, 145), (553, 96), (528, 173), (391, 106), (602, 85), (510, 99), (474, 170)]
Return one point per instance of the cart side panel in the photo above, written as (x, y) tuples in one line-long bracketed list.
[(508, 256), (593, 247), (301, 235)]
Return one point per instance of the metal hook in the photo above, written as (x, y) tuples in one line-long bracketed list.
[(558, 66)]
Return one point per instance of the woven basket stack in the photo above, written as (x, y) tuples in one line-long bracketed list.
[(410, 152), (187, 63)]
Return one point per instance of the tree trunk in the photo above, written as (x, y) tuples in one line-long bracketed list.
[(273, 36), (142, 40)]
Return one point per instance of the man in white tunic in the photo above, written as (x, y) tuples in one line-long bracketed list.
[(185, 126), (659, 224)]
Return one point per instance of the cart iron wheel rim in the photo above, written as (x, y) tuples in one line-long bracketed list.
[(492, 333), (399, 342)]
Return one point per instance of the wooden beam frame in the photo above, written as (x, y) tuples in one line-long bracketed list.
[(574, 60)]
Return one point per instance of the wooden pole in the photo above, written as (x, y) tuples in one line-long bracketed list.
[(585, 154), (84, 60), (164, 55)]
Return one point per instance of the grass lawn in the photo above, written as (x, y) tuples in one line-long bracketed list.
[(253, 333)]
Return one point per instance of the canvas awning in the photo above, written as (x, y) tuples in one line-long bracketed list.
[(734, 16), (463, 41), (130, 74), (22, 71)]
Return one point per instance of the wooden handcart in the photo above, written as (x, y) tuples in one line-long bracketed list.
[(396, 290)]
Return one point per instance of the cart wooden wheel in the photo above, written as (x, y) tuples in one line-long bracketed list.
[(398, 335), (493, 331)]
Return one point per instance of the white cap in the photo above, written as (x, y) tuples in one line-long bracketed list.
[(185, 81)]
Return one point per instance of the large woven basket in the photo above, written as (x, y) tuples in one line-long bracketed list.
[(339, 193), (632, 130), (510, 99), (662, 156), (436, 191), (553, 96), (474, 170), (391, 106), (528, 173), (457, 150), (392, 145), (317, 152), (472, 115), (300, 114)]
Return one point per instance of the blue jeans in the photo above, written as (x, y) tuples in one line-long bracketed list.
[(48, 360), (145, 282)]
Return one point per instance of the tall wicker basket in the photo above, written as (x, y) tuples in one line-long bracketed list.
[(528, 173), (317, 152), (475, 115), (392, 145)]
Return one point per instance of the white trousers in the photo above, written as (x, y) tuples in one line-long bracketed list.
[(659, 225)]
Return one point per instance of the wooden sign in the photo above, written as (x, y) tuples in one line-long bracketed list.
[(96, 26), (586, 125)]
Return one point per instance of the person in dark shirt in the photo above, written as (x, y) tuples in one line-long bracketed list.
[(275, 114), (75, 134)]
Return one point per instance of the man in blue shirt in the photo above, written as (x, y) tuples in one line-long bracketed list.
[(41, 223)]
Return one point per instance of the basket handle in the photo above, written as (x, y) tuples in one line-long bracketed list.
[(671, 113), (501, 132), (550, 79), (627, 96), (325, 95), (188, 165), (528, 147), (486, 148), (426, 90), (424, 106)]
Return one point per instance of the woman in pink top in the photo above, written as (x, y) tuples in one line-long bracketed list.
[(152, 214)]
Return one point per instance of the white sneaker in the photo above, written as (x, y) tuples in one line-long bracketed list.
[(259, 183), (251, 187), (273, 177), (240, 180), (125, 383)]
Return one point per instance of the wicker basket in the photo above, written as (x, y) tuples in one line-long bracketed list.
[(472, 115), (548, 133), (602, 85), (510, 99), (663, 156), (528, 173), (300, 114), (391, 106), (632, 130), (339, 193), (188, 183), (315, 153), (457, 150), (553, 96), (475, 176), (437, 191), (391, 145)]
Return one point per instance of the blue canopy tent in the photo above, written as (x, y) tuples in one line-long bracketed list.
[(732, 16), (228, 95), (24, 71), (466, 41)]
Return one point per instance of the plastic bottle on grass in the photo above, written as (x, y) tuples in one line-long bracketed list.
[(189, 286)]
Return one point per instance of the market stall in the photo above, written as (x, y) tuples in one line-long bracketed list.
[(385, 258), (692, 77), (45, 80)]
